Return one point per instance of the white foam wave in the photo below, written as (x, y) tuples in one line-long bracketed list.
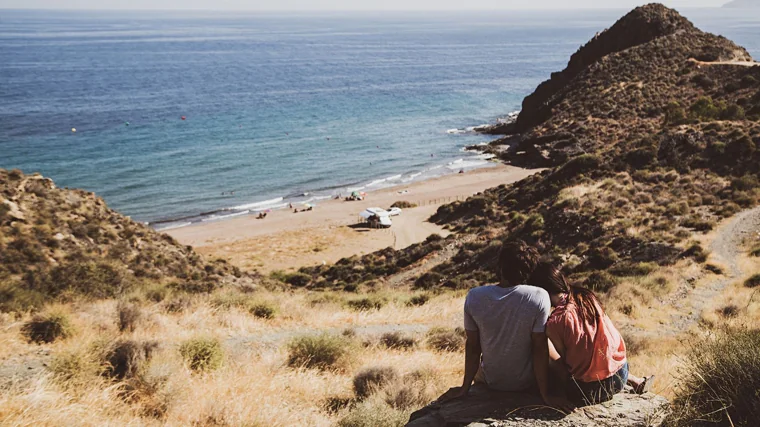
[(219, 217), (257, 205), (466, 164), (173, 226)]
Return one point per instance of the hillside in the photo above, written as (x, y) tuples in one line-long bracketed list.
[(56, 244), (650, 135)]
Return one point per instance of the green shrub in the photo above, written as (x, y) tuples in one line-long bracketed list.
[(372, 302), (634, 269), (600, 281), (428, 280), (298, 280), (675, 114), (403, 204), (322, 351), (418, 300), (397, 341), (753, 281), (371, 380), (696, 252), (262, 310), (446, 339), (705, 109), (712, 268), (720, 382), (47, 328), (202, 354)]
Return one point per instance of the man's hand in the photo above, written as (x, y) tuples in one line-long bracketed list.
[(453, 393), (559, 402)]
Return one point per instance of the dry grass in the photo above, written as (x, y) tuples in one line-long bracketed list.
[(248, 388)]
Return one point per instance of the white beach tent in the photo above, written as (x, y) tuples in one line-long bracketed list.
[(370, 212), (383, 215)]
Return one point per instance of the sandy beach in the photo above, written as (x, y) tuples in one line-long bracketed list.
[(285, 240)]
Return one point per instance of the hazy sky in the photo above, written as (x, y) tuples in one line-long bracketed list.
[(307, 5)]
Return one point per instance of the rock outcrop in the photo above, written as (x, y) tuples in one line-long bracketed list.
[(499, 409)]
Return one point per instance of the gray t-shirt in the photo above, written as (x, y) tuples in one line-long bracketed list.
[(505, 319)]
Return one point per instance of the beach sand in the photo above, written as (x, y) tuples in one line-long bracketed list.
[(285, 240)]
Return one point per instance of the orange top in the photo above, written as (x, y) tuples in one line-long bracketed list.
[(593, 352)]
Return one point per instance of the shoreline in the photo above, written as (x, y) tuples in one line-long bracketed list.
[(285, 240), (470, 161)]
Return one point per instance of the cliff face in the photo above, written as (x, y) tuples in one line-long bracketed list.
[(59, 243)]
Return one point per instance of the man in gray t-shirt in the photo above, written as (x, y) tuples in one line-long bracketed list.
[(505, 325), (504, 319)]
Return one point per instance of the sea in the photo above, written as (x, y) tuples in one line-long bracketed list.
[(183, 117)]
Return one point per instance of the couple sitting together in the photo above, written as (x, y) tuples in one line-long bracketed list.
[(572, 355)]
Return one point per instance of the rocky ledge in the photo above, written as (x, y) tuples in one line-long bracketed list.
[(489, 408)]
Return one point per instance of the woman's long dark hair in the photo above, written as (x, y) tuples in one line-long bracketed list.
[(549, 277)]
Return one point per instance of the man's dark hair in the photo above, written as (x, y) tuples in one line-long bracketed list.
[(517, 261)]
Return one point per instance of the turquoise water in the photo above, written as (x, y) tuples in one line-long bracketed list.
[(278, 108)]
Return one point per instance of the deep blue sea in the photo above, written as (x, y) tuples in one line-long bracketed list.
[(275, 106)]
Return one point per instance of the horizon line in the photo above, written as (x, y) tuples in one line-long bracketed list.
[(544, 9)]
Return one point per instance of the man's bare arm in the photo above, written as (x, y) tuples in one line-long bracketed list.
[(472, 353), (541, 371)]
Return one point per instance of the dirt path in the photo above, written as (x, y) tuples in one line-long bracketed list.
[(737, 63), (726, 248)]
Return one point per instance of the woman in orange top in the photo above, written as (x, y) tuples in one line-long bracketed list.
[(589, 349)]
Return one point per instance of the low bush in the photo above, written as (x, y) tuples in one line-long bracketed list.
[(428, 280), (123, 359), (729, 311), (634, 269), (418, 300), (47, 328), (712, 268), (397, 341), (202, 354), (403, 204), (446, 339), (262, 310), (720, 381), (753, 281), (322, 351), (696, 252), (372, 302), (600, 281), (371, 380), (755, 251), (127, 316)]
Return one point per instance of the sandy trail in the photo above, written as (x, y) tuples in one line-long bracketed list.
[(726, 248), (287, 240)]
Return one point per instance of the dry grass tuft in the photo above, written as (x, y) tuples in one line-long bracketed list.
[(322, 351), (446, 339), (126, 359), (397, 341), (48, 327), (202, 354), (127, 316), (371, 380), (720, 381)]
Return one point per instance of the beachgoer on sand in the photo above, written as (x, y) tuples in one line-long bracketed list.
[(588, 354), (513, 358)]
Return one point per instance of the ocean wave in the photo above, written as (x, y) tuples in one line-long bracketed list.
[(466, 164), (266, 204), (219, 217), (173, 226)]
